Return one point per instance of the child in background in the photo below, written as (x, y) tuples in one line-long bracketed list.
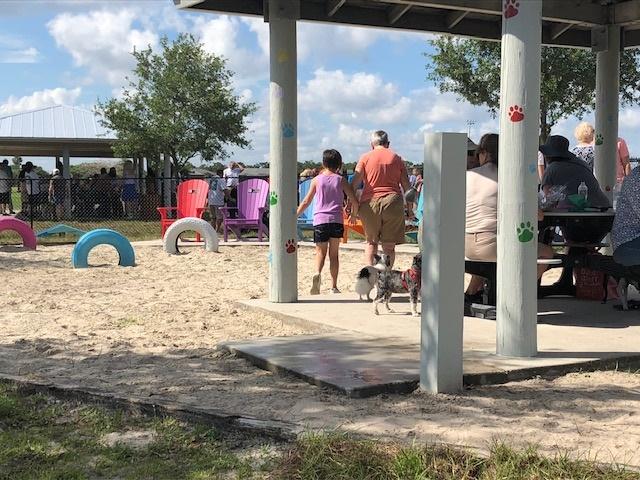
[(217, 185), (328, 188)]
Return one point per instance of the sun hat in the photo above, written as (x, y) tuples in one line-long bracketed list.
[(557, 146)]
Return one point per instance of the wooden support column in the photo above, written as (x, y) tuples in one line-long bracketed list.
[(283, 159), (516, 323), (443, 262)]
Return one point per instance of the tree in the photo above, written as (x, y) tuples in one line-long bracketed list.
[(180, 102), (471, 69)]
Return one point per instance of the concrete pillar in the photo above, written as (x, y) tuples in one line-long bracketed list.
[(516, 323), (283, 199), (443, 262), (607, 88), (66, 173), (166, 187)]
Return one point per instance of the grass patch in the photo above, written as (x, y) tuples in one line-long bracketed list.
[(127, 322), (42, 438), (337, 457)]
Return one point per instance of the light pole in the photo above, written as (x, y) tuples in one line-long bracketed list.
[(470, 123)]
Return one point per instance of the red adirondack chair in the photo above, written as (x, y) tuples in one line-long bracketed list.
[(252, 201), (192, 202)]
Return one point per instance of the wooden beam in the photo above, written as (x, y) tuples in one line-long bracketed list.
[(558, 29), (454, 18), (395, 13), (333, 6), (625, 13)]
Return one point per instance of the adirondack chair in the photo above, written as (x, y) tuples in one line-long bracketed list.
[(252, 200), (305, 220), (357, 227), (192, 202)]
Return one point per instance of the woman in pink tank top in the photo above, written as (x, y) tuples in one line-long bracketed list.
[(328, 188)]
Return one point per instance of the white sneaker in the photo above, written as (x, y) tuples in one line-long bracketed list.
[(334, 290), (315, 284)]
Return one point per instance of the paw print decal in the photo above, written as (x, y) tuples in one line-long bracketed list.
[(287, 130), (516, 114), (599, 139), (532, 168), (525, 232), (290, 246), (283, 56), (270, 258), (511, 8), (273, 198)]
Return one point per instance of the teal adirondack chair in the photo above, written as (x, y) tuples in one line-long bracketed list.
[(305, 220)]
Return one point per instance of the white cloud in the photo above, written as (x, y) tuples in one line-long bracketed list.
[(354, 97), (14, 49), (220, 36), (102, 41), (42, 98)]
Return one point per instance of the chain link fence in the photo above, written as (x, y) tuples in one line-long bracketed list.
[(127, 205)]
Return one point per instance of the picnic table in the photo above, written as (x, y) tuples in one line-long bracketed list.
[(582, 222)]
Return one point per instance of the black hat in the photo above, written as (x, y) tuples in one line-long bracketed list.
[(557, 146)]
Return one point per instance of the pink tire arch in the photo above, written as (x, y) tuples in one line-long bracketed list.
[(21, 228)]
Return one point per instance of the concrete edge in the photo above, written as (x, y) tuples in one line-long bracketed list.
[(290, 320), (552, 371), (400, 387), (469, 379), (275, 429)]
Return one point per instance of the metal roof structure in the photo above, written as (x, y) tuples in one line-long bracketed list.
[(48, 131), (565, 22)]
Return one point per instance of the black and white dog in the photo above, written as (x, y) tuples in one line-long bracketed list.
[(367, 277), (396, 281)]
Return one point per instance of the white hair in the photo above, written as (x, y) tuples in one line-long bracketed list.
[(379, 137)]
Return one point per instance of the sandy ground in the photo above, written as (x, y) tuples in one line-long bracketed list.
[(150, 332)]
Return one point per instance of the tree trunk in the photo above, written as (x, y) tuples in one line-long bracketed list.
[(545, 128)]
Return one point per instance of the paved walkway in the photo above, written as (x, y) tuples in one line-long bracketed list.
[(359, 352)]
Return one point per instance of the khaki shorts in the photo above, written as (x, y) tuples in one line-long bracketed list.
[(481, 246), (383, 219)]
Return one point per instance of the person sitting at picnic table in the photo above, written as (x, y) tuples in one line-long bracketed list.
[(566, 170), (625, 234), (481, 231)]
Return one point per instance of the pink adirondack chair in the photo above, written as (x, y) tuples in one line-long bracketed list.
[(192, 202), (252, 201)]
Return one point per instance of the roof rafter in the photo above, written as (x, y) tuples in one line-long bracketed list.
[(333, 6), (396, 12)]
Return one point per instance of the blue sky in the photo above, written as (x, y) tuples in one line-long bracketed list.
[(351, 80)]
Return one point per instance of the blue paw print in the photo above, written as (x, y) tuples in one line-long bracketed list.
[(287, 130), (269, 257)]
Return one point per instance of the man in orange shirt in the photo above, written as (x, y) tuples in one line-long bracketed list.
[(381, 203)]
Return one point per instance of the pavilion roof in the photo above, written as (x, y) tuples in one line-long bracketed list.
[(565, 22), (47, 131)]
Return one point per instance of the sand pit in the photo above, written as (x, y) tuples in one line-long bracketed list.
[(150, 332)]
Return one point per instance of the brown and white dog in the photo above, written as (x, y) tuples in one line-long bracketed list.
[(396, 281)]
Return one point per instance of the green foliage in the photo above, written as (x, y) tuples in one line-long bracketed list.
[(471, 69), (180, 102)]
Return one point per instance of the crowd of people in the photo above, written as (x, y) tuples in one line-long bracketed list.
[(102, 195), (376, 191)]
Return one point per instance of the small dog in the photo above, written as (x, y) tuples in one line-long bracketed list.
[(396, 281), (367, 278)]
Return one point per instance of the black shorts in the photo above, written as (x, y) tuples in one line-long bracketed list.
[(5, 198), (323, 232)]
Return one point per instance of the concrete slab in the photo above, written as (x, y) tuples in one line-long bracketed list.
[(356, 355)]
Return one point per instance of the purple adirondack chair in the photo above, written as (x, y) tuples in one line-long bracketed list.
[(252, 201)]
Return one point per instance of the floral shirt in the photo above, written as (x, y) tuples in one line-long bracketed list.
[(586, 154), (626, 226)]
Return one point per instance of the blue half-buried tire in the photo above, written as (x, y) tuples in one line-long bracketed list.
[(102, 236)]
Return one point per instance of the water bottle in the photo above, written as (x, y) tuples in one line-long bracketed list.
[(583, 191)]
